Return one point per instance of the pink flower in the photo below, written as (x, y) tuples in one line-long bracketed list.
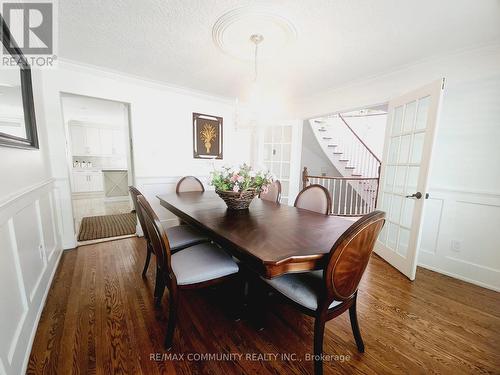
[(234, 177), (265, 189), (236, 188), (240, 178)]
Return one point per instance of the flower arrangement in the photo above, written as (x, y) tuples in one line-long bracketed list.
[(237, 187)]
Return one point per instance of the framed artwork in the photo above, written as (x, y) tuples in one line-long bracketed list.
[(207, 136)]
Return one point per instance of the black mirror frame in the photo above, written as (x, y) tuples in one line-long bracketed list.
[(31, 140)]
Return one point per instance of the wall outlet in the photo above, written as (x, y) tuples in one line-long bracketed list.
[(456, 246)]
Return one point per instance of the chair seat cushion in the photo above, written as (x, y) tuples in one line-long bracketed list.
[(202, 262), (182, 236), (303, 288)]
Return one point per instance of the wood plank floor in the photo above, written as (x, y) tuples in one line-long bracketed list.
[(99, 319)]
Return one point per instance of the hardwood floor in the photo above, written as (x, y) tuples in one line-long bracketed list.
[(99, 319)]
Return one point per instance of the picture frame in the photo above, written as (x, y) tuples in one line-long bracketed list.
[(26, 136), (207, 136)]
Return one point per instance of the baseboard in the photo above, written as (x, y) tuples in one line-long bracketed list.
[(460, 277)]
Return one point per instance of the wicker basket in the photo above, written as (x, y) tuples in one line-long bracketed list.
[(237, 200)]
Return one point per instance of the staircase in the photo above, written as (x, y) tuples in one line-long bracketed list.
[(355, 191)]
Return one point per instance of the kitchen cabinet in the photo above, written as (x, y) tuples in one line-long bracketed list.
[(118, 142), (85, 140), (107, 141), (78, 140), (97, 140), (87, 181)]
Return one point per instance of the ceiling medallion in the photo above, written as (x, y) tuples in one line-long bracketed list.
[(231, 32)]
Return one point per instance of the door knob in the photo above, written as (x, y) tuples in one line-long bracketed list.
[(417, 195)]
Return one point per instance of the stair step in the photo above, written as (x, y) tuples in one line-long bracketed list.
[(349, 167), (332, 145), (327, 138), (319, 121), (322, 130), (337, 152), (356, 174), (343, 159)]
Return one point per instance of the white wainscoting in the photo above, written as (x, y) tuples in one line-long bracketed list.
[(156, 185), (30, 248), (460, 236)]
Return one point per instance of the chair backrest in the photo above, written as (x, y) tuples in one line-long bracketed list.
[(189, 183), (273, 193), (134, 193), (314, 198), (157, 236), (349, 256)]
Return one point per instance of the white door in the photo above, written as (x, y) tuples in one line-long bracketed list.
[(276, 157), (410, 134)]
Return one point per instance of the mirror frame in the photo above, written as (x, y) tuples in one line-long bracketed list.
[(31, 140)]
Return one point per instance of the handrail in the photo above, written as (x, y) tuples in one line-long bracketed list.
[(359, 139), (347, 199), (344, 178)]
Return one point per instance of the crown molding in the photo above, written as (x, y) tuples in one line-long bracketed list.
[(142, 81), (480, 49)]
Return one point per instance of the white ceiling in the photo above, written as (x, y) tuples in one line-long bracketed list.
[(336, 40)]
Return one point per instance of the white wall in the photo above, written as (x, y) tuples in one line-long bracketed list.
[(30, 243), (161, 118), (465, 179)]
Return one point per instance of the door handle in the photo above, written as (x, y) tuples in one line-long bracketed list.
[(417, 195)]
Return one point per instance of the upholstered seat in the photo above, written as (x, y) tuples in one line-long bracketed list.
[(182, 236), (202, 262), (303, 288)]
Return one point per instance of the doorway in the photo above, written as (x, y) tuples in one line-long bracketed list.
[(101, 168)]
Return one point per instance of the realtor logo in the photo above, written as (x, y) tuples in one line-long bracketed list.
[(31, 25)]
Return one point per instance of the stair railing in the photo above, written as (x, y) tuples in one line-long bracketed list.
[(351, 196), (360, 157)]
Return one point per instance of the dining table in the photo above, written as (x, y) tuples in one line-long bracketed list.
[(271, 239)]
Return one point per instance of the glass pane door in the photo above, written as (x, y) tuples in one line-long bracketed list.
[(277, 156), (409, 138)]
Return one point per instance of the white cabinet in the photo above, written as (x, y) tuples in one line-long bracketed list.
[(85, 140), (96, 183), (106, 136), (78, 140), (118, 142), (93, 141), (80, 182), (97, 140), (87, 181)]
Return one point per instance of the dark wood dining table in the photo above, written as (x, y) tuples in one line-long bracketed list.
[(271, 239)]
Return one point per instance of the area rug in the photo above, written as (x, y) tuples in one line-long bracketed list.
[(95, 227)]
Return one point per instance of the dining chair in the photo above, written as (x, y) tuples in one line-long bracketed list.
[(314, 198), (325, 294), (196, 267), (273, 193), (180, 236), (189, 183)]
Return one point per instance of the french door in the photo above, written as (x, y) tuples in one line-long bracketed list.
[(277, 156), (410, 134)]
